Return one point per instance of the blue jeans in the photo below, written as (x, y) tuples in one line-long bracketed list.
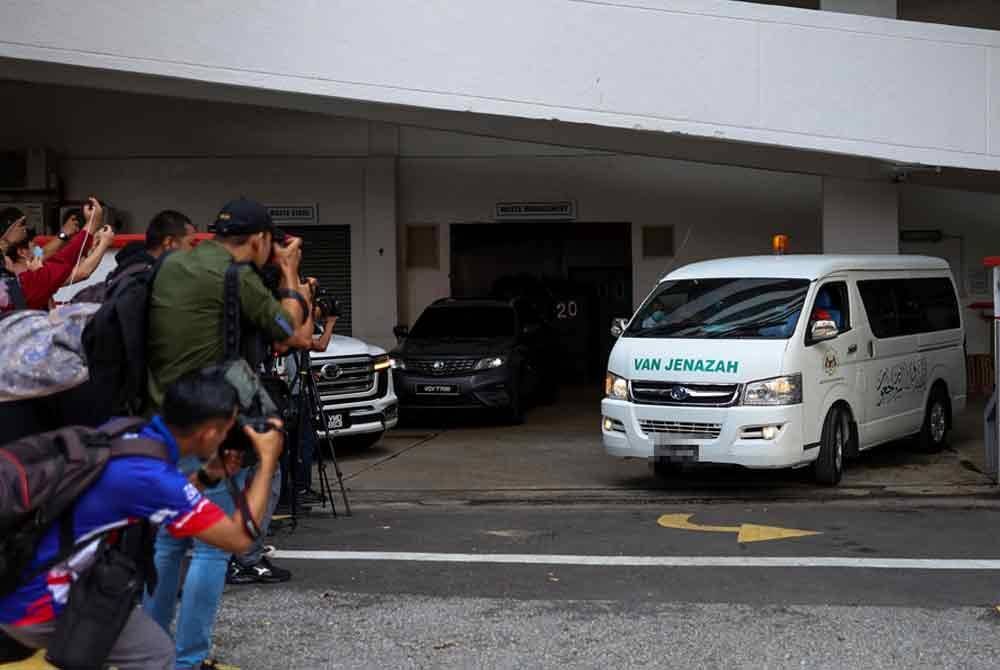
[(203, 585)]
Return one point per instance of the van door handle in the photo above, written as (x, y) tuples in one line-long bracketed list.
[(871, 350), (853, 349)]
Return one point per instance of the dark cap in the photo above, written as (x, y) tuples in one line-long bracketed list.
[(245, 217)]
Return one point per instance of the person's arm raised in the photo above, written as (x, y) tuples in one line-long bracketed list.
[(230, 534)]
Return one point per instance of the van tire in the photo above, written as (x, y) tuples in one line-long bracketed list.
[(937, 422), (835, 445)]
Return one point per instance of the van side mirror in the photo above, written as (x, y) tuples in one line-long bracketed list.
[(823, 331), (618, 327), (401, 331)]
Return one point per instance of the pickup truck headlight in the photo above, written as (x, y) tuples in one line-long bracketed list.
[(382, 362), (397, 363), (491, 363), (774, 392), (615, 387)]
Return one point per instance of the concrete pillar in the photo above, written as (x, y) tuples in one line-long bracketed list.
[(860, 217), (379, 307), (883, 8)]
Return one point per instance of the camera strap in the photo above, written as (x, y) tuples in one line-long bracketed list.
[(298, 297), (231, 312), (240, 499)]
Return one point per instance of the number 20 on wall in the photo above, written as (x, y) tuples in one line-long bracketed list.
[(567, 310)]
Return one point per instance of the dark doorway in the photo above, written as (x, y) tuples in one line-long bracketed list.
[(584, 271)]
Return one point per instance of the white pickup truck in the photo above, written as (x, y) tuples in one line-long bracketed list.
[(354, 380)]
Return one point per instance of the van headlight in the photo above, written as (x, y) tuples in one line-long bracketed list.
[(615, 387), (775, 391), (491, 363)]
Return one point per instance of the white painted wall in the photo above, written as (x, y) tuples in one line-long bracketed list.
[(728, 211), (823, 81), (860, 217)]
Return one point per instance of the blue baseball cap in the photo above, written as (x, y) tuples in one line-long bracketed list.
[(246, 217)]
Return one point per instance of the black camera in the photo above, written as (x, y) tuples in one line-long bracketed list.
[(327, 304)]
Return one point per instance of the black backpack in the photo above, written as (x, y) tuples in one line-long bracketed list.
[(115, 341), (99, 292), (42, 476)]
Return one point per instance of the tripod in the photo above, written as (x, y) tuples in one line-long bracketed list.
[(310, 404)]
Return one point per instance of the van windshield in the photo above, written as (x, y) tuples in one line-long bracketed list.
[(721, 308)]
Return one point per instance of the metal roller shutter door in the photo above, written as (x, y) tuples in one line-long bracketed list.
[(326, 255)]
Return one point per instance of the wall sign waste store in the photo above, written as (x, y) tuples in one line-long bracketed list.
[(534, 211), (294, 215)]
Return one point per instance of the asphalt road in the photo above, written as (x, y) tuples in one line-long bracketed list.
[(458, 606)]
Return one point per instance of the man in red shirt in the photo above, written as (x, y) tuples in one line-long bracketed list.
[(39, 284)]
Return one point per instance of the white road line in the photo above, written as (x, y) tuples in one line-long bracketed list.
[(653, 561)]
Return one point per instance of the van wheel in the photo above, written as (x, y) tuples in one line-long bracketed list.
[(834, 447), (937, 420)]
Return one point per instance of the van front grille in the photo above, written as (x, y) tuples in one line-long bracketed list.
[(705, 431), (685, 395)]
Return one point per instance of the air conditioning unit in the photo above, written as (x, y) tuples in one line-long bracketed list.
[(110, 216), (36, 214), (28, 170)]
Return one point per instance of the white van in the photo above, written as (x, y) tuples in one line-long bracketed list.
[(787, 361)]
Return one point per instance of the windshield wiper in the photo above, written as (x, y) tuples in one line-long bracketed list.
[(743, 328), (665, 328)]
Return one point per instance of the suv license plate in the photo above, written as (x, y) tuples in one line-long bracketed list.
[(676, 453), (338, 420), (437, 389)]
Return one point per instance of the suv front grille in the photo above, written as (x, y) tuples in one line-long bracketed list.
[(685, 395), (344, 377), (442, 367), (709, 431)]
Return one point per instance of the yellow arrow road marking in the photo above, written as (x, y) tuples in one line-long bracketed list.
[(36, 662), (745, 533)]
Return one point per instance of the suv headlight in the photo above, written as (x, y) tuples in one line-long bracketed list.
[(775, 391), (382, 362), (615, 387), (491, 363)]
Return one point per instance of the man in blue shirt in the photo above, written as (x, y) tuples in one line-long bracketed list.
[(198, 411)]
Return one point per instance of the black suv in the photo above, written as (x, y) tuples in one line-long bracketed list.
[(471, 353)]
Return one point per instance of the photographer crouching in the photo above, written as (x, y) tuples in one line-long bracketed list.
[(80, 604), (211, 306)]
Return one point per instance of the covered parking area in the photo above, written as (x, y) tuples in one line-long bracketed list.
[(406, 175)]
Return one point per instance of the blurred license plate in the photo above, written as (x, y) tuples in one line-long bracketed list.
[(437, 389), (338, 420), (684, 453)]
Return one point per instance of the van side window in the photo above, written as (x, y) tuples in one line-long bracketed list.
[(936, 304), (879, 297), (898, 307), (832, 304)]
